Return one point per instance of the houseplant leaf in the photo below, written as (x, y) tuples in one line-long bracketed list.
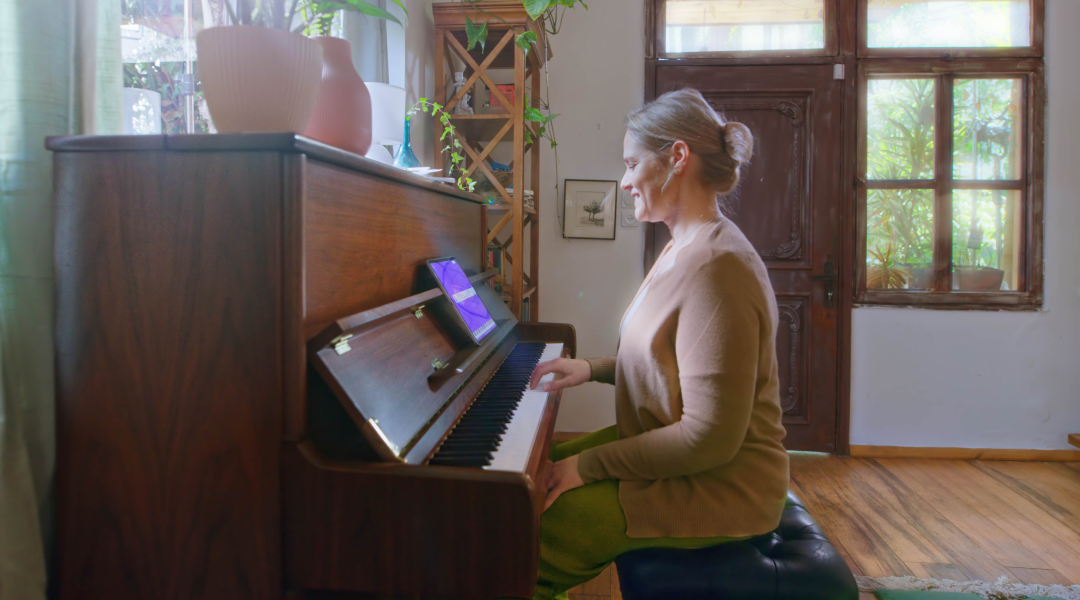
[(476, 34), (536, 8), (524, 39)]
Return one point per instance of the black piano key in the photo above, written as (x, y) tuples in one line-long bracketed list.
[(478, 433)]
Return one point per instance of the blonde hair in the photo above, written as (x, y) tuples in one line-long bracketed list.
[(684, 115)]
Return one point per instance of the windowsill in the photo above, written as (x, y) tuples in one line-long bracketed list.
[(985, 301)]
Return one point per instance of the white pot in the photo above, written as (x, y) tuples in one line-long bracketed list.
[(258, 78)]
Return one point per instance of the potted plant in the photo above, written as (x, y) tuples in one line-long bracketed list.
[(261, 73), (970, 272)]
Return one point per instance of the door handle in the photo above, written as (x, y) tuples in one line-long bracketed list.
[(830, 282)]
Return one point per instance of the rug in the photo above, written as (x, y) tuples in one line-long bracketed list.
[(1001, 589)]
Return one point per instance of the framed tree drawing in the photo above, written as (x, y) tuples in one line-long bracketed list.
[(589, 209)]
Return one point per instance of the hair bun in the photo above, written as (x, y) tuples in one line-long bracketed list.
[(738, 141)]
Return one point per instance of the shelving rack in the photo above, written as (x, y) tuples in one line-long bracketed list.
[(480, 133)]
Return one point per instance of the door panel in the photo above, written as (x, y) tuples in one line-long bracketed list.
[(788, 205)]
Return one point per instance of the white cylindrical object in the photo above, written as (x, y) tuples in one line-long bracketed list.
[(387, 114)]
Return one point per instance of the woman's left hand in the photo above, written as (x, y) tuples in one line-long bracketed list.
[(564, 476)]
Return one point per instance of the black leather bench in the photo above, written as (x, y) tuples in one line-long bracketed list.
[(795, 562)]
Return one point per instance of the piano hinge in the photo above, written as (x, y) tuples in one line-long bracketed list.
[(438, 365), (393, 447), (419, 312), (341, 344)]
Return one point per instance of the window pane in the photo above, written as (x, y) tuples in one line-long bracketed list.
[(153, 52), (743, 25), (899, 239), (948, 23), (986, 129), (900, 128), (986, 238)]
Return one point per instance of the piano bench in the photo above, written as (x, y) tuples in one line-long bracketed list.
[(795, 562)]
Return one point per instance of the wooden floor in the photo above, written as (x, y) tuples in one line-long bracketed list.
[(944, 519)]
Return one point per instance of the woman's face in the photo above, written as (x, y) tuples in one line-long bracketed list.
[(644, 179)]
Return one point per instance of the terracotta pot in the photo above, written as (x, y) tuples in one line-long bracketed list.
[(979, 279), (342, 116), (258, 78)]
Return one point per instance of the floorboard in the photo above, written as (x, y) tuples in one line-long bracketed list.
[(942, 519)]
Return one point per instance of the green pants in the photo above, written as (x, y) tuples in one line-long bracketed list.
[(585, 529)]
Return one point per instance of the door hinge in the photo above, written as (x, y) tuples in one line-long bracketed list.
[(838, 71), (341, 345)]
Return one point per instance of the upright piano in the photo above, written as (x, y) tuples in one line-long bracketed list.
[(258, 396)]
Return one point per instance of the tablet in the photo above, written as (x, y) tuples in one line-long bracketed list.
[(467, 305)]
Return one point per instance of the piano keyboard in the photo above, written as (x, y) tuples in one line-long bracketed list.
[(498, 430)]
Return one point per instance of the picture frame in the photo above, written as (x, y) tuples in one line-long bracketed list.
[(589, 209)]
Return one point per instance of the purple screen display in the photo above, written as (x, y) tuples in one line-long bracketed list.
[(463, 297)]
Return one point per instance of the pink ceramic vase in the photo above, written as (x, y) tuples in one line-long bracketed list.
[(342, 116)]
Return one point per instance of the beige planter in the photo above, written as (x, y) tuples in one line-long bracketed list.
[(258, 79)]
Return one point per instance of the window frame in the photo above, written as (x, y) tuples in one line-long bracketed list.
[(1038, 31), (830, 17), (1031, 72)]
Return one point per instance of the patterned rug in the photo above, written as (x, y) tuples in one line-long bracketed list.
[(1001, 589)]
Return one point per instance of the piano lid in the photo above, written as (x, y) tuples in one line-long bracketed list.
[(395, 368)]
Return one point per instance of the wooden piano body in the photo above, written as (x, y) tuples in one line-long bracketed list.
[(199, 455)]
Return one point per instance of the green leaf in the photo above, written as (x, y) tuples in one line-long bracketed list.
[(534, 115), (476, 35), (536, 8), (548, 118), (524, 39), (552, 144)]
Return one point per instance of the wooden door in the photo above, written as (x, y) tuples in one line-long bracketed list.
[(789, 207)]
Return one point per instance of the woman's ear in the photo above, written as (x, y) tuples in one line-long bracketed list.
[(680, 156)]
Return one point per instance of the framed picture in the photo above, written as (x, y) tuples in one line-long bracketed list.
[(589, 209)]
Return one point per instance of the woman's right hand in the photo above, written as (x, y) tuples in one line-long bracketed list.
[(568, 373)]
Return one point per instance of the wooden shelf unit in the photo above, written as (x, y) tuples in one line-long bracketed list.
[(480, 133)]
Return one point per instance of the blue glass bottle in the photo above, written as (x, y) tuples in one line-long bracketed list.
[(405, 158)]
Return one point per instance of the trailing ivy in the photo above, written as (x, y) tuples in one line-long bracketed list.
[(454, 146)]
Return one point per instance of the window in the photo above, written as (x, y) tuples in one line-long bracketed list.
[(950, 112), (947, 173), (691, 28), (161, 86), (951, 101), (950, 28)]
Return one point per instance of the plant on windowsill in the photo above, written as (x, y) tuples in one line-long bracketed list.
[(262, 74), (885, 272)]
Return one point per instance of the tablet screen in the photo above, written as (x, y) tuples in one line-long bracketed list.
[(463, 296)]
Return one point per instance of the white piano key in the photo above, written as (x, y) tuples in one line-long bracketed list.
[(513, 451)]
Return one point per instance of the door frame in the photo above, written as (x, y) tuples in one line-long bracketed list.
[(846, 10)]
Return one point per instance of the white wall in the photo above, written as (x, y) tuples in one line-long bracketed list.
[(920, 377), (596, 78), (989, 379)]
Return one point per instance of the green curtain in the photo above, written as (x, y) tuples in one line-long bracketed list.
[(44, 90)]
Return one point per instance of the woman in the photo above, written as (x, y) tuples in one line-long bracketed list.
[(695, 458)]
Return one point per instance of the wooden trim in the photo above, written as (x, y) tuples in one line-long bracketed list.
[(1036, 49), (1074, 439), (846, 267), (1017, 454)]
